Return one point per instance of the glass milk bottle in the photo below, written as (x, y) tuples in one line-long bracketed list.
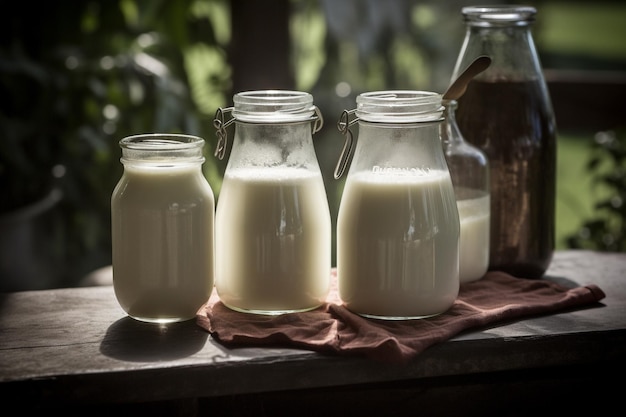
[(162, 213), (273, 226), (469, 170), (398, 223), (506, 112)]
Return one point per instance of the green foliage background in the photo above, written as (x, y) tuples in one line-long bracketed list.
[(76, 76)]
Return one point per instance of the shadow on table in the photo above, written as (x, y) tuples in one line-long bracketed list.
[(136, 341), (566, 282)]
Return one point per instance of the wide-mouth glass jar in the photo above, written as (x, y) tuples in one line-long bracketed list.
[(162, 213), (273, 232), (398, 224)]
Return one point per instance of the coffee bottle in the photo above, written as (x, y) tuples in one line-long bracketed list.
[(506, 112)]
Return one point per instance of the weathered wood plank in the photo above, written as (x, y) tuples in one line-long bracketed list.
[(75, 346)]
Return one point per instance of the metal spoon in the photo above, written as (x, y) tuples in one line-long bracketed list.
[(458, 86)]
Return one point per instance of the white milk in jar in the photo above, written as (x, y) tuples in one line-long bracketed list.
[(398, 244), (162, 213), (474, 247), (273, 245)]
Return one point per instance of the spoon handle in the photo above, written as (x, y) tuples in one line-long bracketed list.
[(458, 86)]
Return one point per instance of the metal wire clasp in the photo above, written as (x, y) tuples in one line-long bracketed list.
[(220, 125), (343, 125), (318, 121)]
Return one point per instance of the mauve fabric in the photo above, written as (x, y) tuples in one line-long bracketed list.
[(331, 328)]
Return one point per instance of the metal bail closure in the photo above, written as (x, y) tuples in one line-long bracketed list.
[(343, 125), (220, 125), (318, 120)]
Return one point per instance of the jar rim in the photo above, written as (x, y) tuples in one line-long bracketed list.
[(499, 15), (400, 106), (161, 141), (158, 148), (273, 106)]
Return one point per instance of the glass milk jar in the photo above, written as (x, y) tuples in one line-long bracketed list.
[(162, 213), (398, 223), (273, 227), (469, 169)]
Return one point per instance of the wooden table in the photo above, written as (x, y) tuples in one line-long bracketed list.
[(73, 350)]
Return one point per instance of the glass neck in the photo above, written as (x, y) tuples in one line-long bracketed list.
[(511, 49), (273, 134), (272, 145), (398, 145), (449, 129)]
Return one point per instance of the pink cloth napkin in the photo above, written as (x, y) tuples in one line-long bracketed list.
[(332, 328)]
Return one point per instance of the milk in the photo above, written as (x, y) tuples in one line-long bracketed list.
[(474, 246), (162, 231), (273, 240), (398, 244)]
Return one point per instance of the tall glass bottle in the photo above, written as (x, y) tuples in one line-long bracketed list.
[(507, 113), (273, 227), (469, 169)]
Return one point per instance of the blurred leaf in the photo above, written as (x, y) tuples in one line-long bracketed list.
[(607, 165), (75, 78)]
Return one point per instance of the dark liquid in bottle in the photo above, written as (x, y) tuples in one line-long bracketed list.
[(513, 123)]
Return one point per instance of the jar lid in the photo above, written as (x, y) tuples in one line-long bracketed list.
[(488, 16), (271, 106), (399, 106)]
